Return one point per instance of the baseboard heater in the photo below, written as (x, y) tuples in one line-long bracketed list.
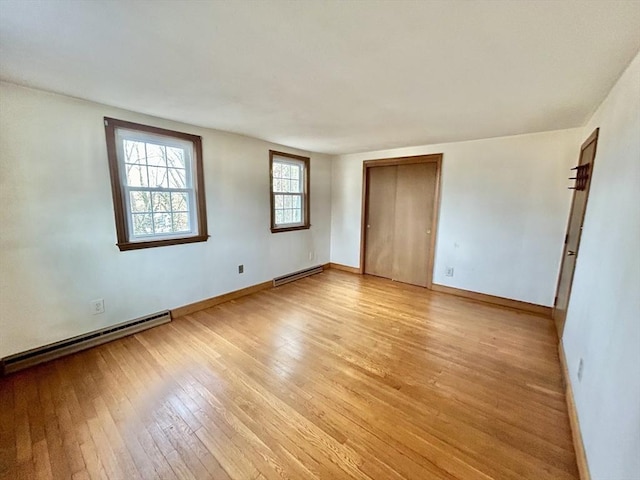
[(22, 360), (292, 277)]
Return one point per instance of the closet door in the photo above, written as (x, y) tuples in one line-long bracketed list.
[(380, 221), (415, 196)]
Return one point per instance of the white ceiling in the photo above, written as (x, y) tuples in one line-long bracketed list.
[(330, 76)]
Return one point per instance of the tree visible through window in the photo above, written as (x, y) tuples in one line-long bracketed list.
[(157, 185), (289, 191)]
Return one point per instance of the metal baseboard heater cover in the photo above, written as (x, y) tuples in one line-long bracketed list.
[(292, 277), (22, 360)]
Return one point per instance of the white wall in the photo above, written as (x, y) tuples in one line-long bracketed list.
[(503, 214), (57, 237), (603, 319)]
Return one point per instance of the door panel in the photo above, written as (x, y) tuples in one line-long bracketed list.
[(574, 231), (415, 198), (380, 221)]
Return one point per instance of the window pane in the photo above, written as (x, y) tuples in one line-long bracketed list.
[(136, 176), (181, 222), (155, 155), (179, 202), (175, 157), (288, 187), (161, 201), (158, 177), (142, 224), (134, 152), (177, 178), (140, 201), (162, 222)]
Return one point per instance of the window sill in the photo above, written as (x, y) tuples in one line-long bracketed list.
[(289, 229), (161, 243)]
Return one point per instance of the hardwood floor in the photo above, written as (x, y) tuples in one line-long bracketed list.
[(334, 376)]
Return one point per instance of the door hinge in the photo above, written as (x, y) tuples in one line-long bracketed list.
[(566, 239), (555, 301)]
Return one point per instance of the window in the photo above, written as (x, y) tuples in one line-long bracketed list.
[(157, 185), (289, 191)]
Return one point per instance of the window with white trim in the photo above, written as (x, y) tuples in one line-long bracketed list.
[(289, 176), (157, 184)]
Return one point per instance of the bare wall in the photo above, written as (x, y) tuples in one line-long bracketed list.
[(603, 318), (504, 208), (57, 240)]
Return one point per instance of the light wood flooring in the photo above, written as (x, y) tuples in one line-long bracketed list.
[(336, 376)]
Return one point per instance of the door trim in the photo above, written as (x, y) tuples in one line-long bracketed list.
[(593, 138), (386, 162)]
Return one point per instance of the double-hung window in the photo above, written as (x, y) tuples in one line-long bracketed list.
[(289, 175), (157, 185)]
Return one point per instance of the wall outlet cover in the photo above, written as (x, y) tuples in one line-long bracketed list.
[(97, 306)]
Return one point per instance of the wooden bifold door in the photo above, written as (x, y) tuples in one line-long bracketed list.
[(400, 218)]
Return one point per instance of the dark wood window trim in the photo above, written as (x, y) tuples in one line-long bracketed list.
[(307, 181), (119, 205)]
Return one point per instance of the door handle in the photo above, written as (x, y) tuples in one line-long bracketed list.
[(570, 253)]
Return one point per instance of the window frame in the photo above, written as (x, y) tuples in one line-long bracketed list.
[(121, 204), (306, 223)]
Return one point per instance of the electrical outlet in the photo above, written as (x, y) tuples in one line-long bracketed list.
[(449, 272), (580, 369), (240, 268), (97, 306)]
